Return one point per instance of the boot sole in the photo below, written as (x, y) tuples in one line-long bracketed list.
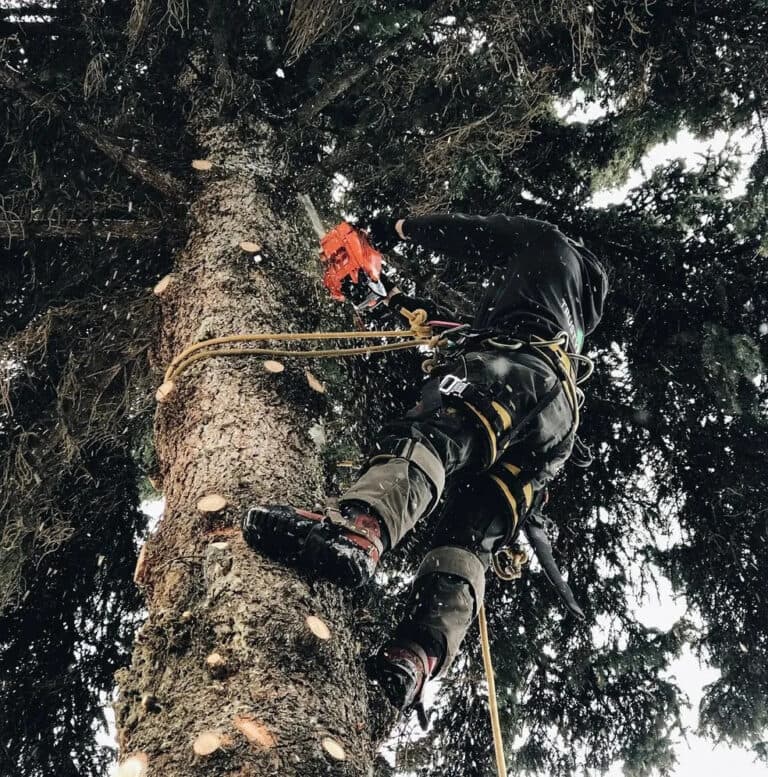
[(279, 531)]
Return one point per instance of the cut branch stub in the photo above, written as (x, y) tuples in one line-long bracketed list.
[(215, 660), (141, 566), (202, 164), (165, 391), (318, 627), (212, 503), (250, 247), (253, 731), (156, 481), (334, 749), (162, 285), (149, 703), (216, 665), (209, 742), (133, 766), (270, 365), (314, 383)]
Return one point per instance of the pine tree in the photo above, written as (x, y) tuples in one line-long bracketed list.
[(420, 106)]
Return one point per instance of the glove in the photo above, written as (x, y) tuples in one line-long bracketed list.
[(381, 231)]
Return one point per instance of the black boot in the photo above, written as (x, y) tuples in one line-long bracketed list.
[(343, 545), (402, 669), (279, 531)]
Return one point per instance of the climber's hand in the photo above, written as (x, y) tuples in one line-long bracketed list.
[(394, 291)]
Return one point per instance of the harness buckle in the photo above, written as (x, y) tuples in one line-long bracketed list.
[(452, 385)]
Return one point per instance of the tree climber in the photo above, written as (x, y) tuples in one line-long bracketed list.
[(498, 422)]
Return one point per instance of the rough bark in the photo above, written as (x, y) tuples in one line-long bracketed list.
[(236, 430)]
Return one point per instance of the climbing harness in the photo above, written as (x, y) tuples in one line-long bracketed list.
[(482, 403)]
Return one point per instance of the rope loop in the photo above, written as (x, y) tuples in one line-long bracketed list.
[(420, 334)]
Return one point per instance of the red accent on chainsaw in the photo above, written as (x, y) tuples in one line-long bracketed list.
[(346, 253)]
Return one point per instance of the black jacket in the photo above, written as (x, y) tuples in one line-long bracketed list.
[(532, 278)]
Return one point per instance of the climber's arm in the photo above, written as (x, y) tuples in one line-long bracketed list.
[(453, 234)]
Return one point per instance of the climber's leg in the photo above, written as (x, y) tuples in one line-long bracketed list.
[(446, 594)]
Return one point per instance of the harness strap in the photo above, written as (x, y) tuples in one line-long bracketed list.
[(565, 370), (334, 516), (495, 419), (517, 494)]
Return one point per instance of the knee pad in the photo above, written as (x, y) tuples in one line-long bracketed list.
[(387, 484), (417, 454)]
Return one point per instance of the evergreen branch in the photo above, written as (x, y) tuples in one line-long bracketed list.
[(357, 73), (158, 180), (133, 229), (34, 9)]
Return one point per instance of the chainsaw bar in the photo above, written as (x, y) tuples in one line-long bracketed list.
[(314, 216)]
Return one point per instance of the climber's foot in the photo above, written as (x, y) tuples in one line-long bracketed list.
[(342, 546), (279, 531), (402, 669), (346, 548)]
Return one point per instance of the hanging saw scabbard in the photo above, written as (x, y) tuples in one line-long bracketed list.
[(539, 540)]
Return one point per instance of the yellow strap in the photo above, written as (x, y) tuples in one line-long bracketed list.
[(506, 418), (498, 743), (569, 384), (510, 498), (527, 488), (488, 428)]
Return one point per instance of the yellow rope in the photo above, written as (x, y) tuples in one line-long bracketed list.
[(498, 743), (312, 353), (418, 335)]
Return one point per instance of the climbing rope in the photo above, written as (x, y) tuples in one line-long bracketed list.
[(420, 334), (498, 744)]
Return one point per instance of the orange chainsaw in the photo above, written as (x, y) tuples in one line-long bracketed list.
[(352, 264)]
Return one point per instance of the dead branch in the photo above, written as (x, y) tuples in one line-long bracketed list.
[(148, 174), (312, 21), (356, 73)]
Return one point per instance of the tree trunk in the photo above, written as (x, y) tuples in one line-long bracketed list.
[(236, 430)]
